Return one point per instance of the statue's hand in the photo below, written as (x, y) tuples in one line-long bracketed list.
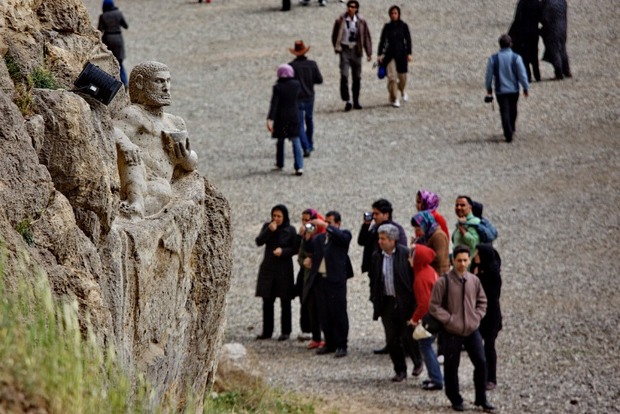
[(182, 149)]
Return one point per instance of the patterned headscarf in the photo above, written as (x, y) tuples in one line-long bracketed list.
[(429, 200), (426, 221)]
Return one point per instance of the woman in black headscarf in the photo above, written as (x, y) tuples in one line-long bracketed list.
[(276, 275), (110, 23), (487, 266)]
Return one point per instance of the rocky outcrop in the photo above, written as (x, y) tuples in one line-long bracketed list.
[(153, 288)]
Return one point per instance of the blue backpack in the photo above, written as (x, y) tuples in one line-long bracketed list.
[(486, 231)]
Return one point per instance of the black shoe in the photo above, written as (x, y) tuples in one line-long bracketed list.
[(357, 106), (306, 154), (348, 107), (325, 350), (432, 386), (458, 407), (283, 337), (340, 353), (263, 336), (509, 138), (417, 370), (381, 351), (399, 377), (486, 406)]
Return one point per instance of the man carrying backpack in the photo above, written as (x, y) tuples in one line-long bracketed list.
[(466, 232), (505, 70)]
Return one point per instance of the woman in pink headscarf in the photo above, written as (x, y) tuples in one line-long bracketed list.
[(427, 200)]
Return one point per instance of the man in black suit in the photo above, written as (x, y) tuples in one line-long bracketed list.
[(381, 214), (393, 300), (330, 268)]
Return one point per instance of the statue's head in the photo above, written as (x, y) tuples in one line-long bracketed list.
[(149, 84)]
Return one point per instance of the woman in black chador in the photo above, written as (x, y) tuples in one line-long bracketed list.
[(487, 266)]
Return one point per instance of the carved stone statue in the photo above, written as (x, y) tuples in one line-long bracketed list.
[(153, 145)]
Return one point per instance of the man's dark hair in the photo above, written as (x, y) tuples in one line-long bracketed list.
[(357, 5), (505, 41), (335, 215), (468, 198), (461, 249), (383, 206)]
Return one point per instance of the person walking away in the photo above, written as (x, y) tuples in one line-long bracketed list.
[(505, 71), (308, 74), (394, 54), (350, 39), (110, 23), (465, 306), (420, 259), (283, 120), (487, 266), (276, 274)]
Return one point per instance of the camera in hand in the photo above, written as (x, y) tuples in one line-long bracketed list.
[(488, 99), (368, 216), (310, 228)]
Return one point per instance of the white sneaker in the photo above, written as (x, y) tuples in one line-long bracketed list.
[(396, 104), (440, 359), (405, 96)]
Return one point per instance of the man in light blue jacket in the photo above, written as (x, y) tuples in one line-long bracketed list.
[(505, 71)]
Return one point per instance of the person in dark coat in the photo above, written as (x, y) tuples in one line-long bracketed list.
[(393, 300), (308, 74), (394, 54), (330, 268), (110, 23), (276, 274), (283, 119), (487, 266)]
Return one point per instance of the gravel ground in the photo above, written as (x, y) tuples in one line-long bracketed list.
[(553, 193)]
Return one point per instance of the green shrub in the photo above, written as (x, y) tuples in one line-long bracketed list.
[(42, 78), (24, 228)]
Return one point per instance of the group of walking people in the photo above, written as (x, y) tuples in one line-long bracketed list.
[(408, 280)]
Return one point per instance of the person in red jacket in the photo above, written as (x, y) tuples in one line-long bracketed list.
[(423, 282)]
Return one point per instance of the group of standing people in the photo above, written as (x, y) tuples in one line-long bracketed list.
[(407, 280)]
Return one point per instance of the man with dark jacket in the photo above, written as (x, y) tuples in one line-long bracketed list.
[(393, 300), (368, 238), (351, 38), (308, 74), (466, 304), (330, 268)]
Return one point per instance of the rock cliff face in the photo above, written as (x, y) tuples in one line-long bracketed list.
[(154, 288)]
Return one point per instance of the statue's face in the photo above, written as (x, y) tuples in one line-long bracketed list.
[(156, 89)]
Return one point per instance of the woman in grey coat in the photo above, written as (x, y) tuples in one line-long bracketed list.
[(110, 23)]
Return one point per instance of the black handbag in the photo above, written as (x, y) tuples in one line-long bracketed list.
[(429, 322)]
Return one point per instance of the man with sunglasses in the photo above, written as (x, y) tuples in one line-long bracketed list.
[(350, 38)]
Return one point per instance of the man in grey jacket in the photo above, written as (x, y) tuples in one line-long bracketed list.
[(351, 38), (465, 305), (506, 70)]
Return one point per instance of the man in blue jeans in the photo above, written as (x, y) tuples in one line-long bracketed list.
[(505, 70), (308, 74)]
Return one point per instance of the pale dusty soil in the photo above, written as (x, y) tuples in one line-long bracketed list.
[(553, 193)]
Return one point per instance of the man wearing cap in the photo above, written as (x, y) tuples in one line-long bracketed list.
[(308, 74), (350, 38)]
